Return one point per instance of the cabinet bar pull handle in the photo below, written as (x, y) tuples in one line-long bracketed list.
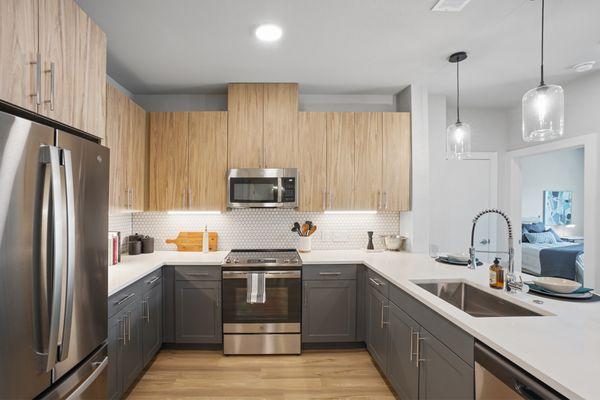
[(38, 79), (330, 273), (383, 307), (122, 330), (150, 282), (124, 299), (145, 313), (52, 72), (197, 273), (385, 200), (129, 326), (375, 282), (419, 359), (412, 333)]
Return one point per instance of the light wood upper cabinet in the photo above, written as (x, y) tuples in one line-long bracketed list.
[(245, 105), (116, 141), (18, 49), (207, 150), (168, 167), (312, 164), (396, 161), (262, 125), (53, 62), (280, 125), (340, 160), (137, 157), (126, 138), (368, 168)]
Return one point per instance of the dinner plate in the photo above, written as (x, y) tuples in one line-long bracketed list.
[(557, 285)]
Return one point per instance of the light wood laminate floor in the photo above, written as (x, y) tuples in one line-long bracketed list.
[(198, 374)]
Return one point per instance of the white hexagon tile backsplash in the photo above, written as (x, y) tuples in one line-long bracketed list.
[(265, 228)]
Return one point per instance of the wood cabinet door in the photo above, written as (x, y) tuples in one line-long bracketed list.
[(136, 156), (396, 161), (168, 167), (245, 105), (329, 311), (59, 22), (90, 78), (402, 371), (18, 49), (208, 160), (340, 160), (368, 167), (312, 163), (117, 117), (443, 374), (198, 312), (280, 125)]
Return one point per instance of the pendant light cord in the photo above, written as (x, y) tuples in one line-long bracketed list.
[(542, 52), (457, 95)]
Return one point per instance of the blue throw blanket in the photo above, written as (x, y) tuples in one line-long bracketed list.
[(560, 261)]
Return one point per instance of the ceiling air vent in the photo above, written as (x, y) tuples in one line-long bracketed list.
[(450, 5)]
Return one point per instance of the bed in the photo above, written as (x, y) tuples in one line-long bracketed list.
[(532, 264)]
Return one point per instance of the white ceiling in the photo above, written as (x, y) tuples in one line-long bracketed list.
[(344, 46)]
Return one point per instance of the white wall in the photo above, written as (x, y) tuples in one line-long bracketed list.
[(558, 170), (582, 116)]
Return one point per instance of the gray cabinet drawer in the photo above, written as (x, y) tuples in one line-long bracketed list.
[(328, 272), (446, 332), (379, 283), (198, 273), (151, 280), (123, 298)]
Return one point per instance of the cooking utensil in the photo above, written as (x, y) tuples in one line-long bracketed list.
[(192, 241), (312, 230), (305, 229)]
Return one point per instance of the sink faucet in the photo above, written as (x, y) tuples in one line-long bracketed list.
[(510, 280)]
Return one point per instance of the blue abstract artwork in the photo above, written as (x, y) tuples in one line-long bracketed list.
[(558, 207)]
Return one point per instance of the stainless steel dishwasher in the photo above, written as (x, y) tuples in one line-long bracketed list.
[(498, 378)]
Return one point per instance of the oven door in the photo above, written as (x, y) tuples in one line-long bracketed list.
[(281, 311)]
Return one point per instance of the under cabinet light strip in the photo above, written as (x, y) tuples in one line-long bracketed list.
[(350, 212), (175, 212)]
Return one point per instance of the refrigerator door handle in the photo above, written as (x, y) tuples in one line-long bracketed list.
[(70, 281), (99, 367), (50, 156)]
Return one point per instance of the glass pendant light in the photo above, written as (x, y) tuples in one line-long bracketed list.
[(458, 135), (543, 107)]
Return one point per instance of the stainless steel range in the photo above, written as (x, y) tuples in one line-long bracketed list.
[(262, 302)]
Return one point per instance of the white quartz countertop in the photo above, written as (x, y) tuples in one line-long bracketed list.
[(562, 348)]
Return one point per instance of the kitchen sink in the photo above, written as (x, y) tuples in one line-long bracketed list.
[(474, 301)]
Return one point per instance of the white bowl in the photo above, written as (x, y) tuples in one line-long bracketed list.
[(558, 285), (458, 257)]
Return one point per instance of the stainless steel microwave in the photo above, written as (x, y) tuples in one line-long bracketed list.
[(262, 188)]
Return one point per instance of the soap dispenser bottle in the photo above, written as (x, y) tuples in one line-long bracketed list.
[(205, 240), (496, 275)]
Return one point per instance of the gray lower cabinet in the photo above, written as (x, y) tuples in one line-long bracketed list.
[(151, 322), (329, 311), (442, 374), (377, 330), (402, 367), (198, 311)]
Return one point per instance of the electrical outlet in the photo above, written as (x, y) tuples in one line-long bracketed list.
[(339, 237), (325, 236)]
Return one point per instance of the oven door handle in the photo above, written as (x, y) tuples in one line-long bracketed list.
[(268, 274)]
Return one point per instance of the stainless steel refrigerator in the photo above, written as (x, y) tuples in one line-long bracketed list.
[(53, 262)]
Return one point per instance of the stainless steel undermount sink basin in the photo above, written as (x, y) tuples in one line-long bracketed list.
[(475, 301)]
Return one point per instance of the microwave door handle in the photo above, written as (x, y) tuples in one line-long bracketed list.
[(279, 191), (50, 157), (70, 202)]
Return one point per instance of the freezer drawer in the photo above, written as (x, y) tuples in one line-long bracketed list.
[(88, 381)]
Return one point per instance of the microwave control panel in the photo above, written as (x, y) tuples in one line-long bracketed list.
[(289, 190)]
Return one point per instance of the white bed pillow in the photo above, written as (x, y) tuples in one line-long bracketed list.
[(541, 238)]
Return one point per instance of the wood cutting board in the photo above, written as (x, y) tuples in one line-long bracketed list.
[(192, 241)]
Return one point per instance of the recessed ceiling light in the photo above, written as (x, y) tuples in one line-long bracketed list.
[(584, 66), (268, 33)]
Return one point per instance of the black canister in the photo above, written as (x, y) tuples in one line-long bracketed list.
[(134, 245), (147, 245)]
